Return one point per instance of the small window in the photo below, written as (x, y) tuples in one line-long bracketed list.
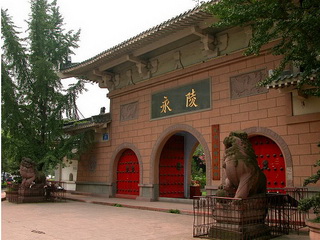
[(70, 177)]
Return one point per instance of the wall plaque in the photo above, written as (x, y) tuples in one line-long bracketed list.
[(92, 164), (129, 111), (183, 99), (244, 85)]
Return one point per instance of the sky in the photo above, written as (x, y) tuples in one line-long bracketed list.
[(103, 24)]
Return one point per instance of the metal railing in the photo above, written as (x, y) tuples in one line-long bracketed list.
[(12, 192), (52, 191), (55, 191), (229, 218), (295, 217)]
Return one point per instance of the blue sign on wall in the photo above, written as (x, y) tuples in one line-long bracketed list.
[(105, 137)]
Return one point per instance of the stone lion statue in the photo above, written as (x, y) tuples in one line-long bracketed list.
[(29, 173), (243, 176)]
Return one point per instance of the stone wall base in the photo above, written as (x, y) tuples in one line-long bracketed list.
[(95, 188)]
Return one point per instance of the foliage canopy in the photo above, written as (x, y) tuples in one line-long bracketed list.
[(293, 26), (33, 99), (312, 202)]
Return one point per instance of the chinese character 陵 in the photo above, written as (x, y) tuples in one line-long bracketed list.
[(165, 105), (191, 98)]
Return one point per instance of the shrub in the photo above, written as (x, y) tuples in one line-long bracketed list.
[(312, 202), (175, 211)]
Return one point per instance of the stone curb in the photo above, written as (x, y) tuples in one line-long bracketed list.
[(114, 204)]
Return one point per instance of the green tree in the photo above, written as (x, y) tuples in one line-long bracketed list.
[(33, 99), (293, 25)]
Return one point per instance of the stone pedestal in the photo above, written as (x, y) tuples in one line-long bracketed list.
[(314, 228), (30, 195), (257, 231), (27, 195), (240, 219)]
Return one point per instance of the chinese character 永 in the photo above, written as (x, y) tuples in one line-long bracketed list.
[(191, 98), (165, 105)]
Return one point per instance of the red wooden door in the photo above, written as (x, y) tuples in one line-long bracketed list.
[(270, 160), (171, 168), (128, 174)]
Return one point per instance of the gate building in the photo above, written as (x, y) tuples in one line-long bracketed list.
[(182, 84)]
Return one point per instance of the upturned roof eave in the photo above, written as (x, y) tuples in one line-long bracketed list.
[(171, 25)]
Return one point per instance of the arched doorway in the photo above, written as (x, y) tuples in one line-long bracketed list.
[(192, 138), (175, 167), (171, 168), (128, 174), (271, 161)]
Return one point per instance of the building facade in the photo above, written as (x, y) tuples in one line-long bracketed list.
[(185, 83), (66, 174)]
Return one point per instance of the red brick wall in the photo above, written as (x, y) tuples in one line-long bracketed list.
[(267, 110), (92, 166)]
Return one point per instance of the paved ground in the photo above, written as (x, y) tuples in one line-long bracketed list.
[(96, 218), (77, 220)]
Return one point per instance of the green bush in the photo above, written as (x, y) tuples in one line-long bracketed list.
[(117, 205), (197, 175), (312, 202), (175, 211)]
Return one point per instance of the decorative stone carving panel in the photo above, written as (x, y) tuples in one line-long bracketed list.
[(129, 111), (92, 164), (244, 85)]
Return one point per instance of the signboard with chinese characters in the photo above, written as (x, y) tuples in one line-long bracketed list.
[(187, 98)]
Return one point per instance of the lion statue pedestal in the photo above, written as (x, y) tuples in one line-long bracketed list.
[(32, 186), (241, 204)]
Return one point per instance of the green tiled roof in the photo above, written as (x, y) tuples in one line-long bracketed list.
[(286, 80), (189, 18), (93, 121)]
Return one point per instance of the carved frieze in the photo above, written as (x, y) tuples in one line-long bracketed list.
[(107, 79), (154, 66), (244, 85), (129, 111), (129, 77), (143, 70), (177, 59), (223, 42)]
